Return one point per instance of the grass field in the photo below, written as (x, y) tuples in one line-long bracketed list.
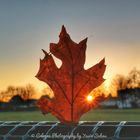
[(94, 115)]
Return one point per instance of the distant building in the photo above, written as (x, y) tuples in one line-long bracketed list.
[(109, 102), (129, 98), (18, 104)]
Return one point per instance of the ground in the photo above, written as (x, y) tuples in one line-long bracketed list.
[(94, 115)]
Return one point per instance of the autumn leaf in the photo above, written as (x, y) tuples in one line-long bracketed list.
[(71, 83)]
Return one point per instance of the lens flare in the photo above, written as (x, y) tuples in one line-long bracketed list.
[(90, 98)]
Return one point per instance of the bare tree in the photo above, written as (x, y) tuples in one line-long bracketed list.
[(27, 92), (119, 83), (124, 84), (133, 80)]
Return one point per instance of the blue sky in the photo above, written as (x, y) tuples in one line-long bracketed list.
[(27, 26)]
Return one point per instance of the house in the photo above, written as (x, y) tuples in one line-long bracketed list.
[(18, 104), (129, 97)]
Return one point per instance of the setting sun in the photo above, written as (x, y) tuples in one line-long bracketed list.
[(90, 98)]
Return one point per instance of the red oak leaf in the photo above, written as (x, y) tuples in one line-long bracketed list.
[(71, 83)]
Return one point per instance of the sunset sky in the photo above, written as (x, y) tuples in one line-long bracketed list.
[(27, 26)]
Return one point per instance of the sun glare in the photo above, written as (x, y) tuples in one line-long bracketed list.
[(107, 84), (90, 98)]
